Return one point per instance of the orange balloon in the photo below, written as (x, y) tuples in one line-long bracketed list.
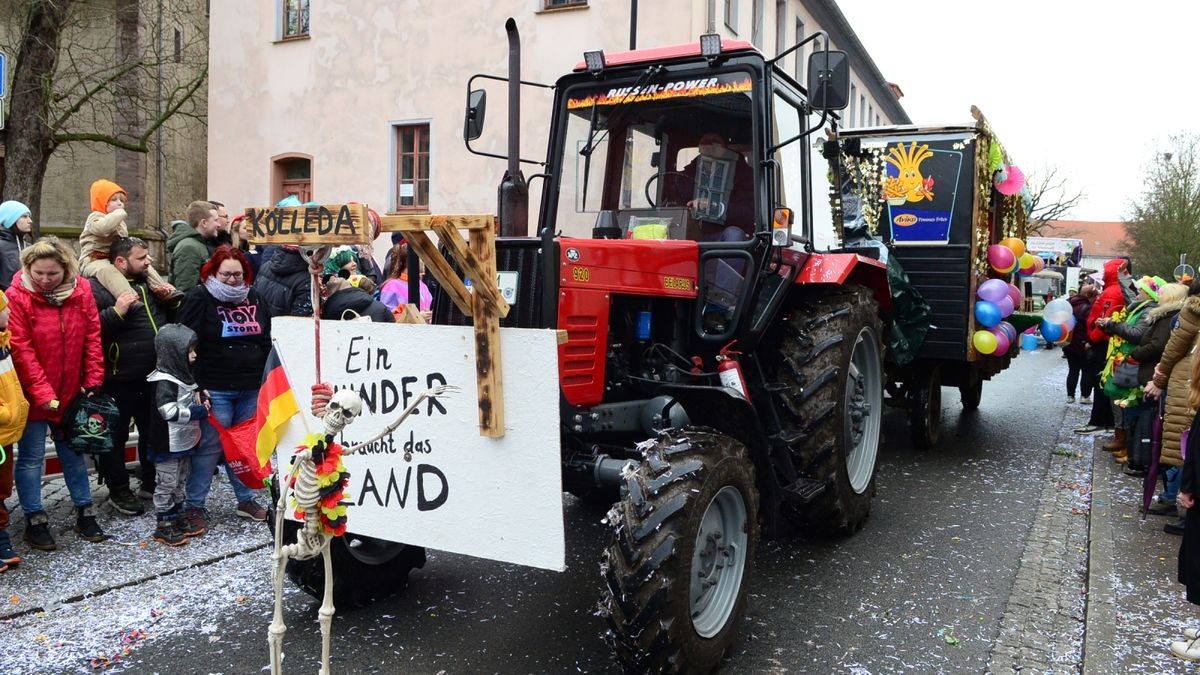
[(1017, 246)]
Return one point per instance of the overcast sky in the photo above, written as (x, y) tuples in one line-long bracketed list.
[(1069, 83)]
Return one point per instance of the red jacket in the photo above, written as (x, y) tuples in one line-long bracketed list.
[(1110, 300), (56, 349)]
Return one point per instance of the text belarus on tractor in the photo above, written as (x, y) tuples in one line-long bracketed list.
[(720, 380)]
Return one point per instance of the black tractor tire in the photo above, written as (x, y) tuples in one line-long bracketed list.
[(826, 415), (925, 409), (972, 394), (677, 569), (374, 569)]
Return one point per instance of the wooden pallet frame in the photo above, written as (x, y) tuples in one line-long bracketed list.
[(476, 257)]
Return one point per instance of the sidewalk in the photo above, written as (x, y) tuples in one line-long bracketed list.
[(45, 580), (1135, 606)]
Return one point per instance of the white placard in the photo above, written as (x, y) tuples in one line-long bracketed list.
[(436, 481)]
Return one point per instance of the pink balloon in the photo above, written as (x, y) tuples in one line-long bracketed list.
[(1002, 341), (1038, 264), (1006, 306), (1015, 294), (992, 290), (1001, 258)]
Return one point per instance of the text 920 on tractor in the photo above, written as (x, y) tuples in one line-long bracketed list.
[(720, 380)]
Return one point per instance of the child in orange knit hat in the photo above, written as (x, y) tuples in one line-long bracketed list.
[(106, 224)]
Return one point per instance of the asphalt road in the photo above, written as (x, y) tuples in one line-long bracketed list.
[(920, 589)]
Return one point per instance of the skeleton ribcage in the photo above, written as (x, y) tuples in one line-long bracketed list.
[(306, 490)]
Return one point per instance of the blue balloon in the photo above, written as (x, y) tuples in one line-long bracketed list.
[(1051, 331), (987, 314)]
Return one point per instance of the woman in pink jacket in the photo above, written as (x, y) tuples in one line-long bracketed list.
[(56, 349)]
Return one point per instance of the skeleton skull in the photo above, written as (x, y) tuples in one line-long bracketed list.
[(343, 408)]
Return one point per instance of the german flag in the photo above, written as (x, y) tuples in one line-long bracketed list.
[(276, 408)]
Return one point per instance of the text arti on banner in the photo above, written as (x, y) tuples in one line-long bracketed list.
[(308, 225)]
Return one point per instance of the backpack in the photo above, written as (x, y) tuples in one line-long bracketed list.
[(88, 422)]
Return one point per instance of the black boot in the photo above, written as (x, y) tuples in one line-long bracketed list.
[(37, 532), (86, 526), (1175, 527), (168, 531)]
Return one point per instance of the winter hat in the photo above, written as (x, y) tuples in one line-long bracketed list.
[(1150, 286), (102, 191), (339, 259), (290, 200), (11, 212)]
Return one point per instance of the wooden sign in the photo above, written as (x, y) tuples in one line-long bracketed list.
[(435, 481), (308, 225)]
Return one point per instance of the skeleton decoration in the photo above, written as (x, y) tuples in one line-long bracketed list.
[(317, 480)]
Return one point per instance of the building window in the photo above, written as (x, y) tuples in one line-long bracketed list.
[(412, 168), (781, 26), (862, 110), (731, 15), (178, 46), (295, 18), (559, 4), (849, 121), (292, 175), (799, 52), (756, 25)]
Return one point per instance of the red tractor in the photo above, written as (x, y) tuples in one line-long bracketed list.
[(721, 380)]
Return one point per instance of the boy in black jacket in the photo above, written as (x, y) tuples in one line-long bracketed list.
[(178, 402)]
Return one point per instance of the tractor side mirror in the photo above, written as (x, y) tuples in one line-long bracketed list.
[(829, 80), (476, 107)]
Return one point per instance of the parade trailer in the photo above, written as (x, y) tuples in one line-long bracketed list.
[(718, 379), (930, 195)]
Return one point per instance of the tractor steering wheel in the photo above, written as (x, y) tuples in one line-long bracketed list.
[(650, 181)]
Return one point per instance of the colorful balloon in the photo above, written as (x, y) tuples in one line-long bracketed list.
[(1009, 330), (1006, 306), (1025, 263), (984, 341), (1015, 245), (1039, 264), (992, 290), (1058, 311), (1015, 294), (1028, 341), (1002, 341), (1001, 258), (987, 314), (1052, 332)]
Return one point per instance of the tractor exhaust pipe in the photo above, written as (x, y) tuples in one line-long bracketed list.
[(513, 195)]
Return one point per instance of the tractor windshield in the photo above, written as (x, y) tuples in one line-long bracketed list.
[(666, 159)]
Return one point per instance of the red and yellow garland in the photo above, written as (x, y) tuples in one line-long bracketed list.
[(332, 478)]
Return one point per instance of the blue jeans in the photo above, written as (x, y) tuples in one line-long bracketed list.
[(1172, 478), (31, 457), (229, 407)]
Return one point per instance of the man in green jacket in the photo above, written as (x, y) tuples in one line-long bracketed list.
[(192, 243)]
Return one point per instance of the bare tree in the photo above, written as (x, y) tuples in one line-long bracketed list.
[(1051, 200), (1165, 218), (83, 74)]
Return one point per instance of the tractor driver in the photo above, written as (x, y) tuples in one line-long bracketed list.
[(717, 186)]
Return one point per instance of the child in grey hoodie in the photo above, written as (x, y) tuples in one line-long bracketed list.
[(178, 402)]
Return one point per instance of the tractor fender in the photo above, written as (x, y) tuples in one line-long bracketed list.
[(846, 269), (726, 411)]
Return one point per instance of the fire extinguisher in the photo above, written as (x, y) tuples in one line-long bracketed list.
[(730, 371)]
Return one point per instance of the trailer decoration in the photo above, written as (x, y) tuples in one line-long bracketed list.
[(439, 483), (316, 481)]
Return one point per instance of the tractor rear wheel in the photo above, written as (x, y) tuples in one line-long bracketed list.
[(825, 372), (682, 551)]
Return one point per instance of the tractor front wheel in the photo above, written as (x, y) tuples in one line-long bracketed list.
[(683, 544), (365, 569), (925, 408)]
